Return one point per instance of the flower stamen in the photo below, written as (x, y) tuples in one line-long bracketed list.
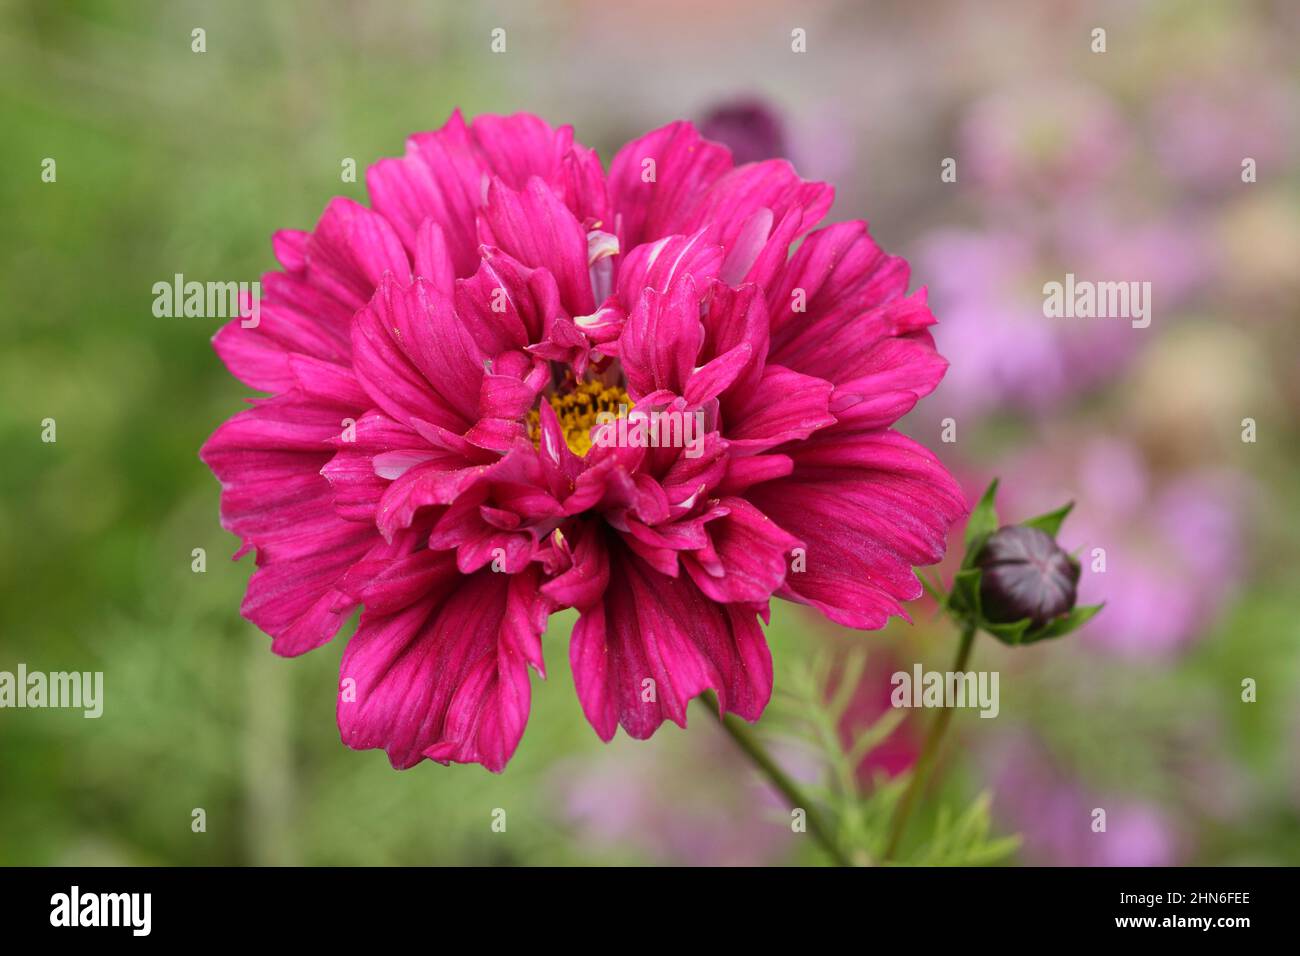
[(579, 409)]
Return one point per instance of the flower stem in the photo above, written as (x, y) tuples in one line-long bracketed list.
[(929, 752), (749, 744)]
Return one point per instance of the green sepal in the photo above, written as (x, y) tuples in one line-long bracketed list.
[(1066, 623), (964, 600), (1050, 522), (1012, 634), (934, 589), (983, 522)]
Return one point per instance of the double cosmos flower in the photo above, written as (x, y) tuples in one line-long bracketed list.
[(441, 365)]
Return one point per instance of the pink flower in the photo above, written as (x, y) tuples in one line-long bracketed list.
[(1056, 814), (897, 752), (747, 126), (1043, 140), (432, 452)]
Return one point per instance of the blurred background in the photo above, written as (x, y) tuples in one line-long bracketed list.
[(1119, 165)]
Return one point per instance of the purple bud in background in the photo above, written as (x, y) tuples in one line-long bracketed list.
[(748, 127), (1026, 575)]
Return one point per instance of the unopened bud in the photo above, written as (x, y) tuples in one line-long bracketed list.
[(1026, 574)]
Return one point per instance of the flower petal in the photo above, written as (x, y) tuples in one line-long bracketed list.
[(653, 643), (661, 339), (268, 460), (868, 506), (445, 677), (785, 406), (652, 179), (747, 558), (538, 230), (414, 357), (439, 178)]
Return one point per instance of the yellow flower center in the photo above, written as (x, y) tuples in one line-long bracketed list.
[(578, 412)]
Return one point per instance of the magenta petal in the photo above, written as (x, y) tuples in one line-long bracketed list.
[(519, 147), (351, 249), (654, 178), (881, 349), (268, 460), (433, 260), (327, 383), (440, 178), (537, 229), (391, 465), (749, 242), (784, 407), (581, 181), (356, 486), (653, 643), (656, 265), (715, 377), (853, 411), (431, 484), (510, 396), (506, 305), (743, 204), (415, 359), (391, 379), (257, 358), (743, 473), (478, 542), (295, 595), (290, 248), (445, 677), (771, 258), (259, 355), (735, 317), (752, 555), (869, 506), (585, 580), (837, 276), (385, 586), (893, 365), (661, 338), (497, 434)]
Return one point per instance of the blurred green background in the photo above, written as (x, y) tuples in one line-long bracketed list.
[(172, 161)]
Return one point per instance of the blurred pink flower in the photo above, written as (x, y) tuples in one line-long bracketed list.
[(988, 286), (871, 701), (1054, 814), (749, 127), (1203, 129), (696, 805), (1044, 140)]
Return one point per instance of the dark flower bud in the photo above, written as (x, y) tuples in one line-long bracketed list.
[(1025, 575), (749, 128)]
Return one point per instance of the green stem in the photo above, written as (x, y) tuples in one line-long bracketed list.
[(929, 752), (748, 743)]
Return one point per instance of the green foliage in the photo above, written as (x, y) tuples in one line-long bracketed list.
[(809, 712)]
